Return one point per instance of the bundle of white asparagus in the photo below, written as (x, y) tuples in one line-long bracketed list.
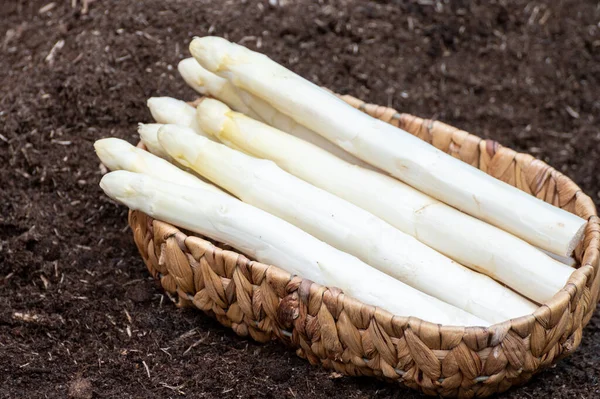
[(345, 201)]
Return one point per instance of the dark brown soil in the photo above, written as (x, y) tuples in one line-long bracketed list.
[(79, 315)]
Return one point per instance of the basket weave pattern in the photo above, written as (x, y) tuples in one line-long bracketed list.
[(328, 328)]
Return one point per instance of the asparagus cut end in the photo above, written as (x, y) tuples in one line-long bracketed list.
[(575, 240)]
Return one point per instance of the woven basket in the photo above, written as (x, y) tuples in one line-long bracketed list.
[(328, 328)]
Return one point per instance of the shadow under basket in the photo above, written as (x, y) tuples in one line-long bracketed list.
[(340, 333)]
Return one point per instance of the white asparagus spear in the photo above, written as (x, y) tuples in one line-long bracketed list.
[(274, 241), (391, 149), (167, 110), (208, 83), (459, 236), (117, 154), (339, 223), (149, 134)]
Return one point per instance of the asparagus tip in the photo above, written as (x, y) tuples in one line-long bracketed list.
[(212, 115), (210, 51), (113, 153), (146, 128), (148, 132), (175, 140), (170, 110), (191, 72), (118, 184)]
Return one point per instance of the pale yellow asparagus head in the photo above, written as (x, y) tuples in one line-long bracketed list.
[(200, 79), (116, 154), (121, 185), (192, 73), (170, 110), (175, 140), (149, 134), (212, 116), (210, 51)]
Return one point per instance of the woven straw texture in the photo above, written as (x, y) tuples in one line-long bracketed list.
[(328, 328)]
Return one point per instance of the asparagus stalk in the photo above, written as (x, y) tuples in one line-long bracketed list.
[(273, 241), (149, 135), (339, 223), (168, 110), (208, 83), (391, 149), (117, 154), (461, 237)]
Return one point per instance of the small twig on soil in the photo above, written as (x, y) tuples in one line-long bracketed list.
[(246, 39), (52, 54), (39, 319), (148, 36), (195, 344), (545, 17), (574, 114), (46, 8), (172, 388), (188, 334), (533, 15), (137, 280), (26, 317), (146, 367), (85, 5), (23, 173), (61, 142), (45, 281), (166, 351)]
